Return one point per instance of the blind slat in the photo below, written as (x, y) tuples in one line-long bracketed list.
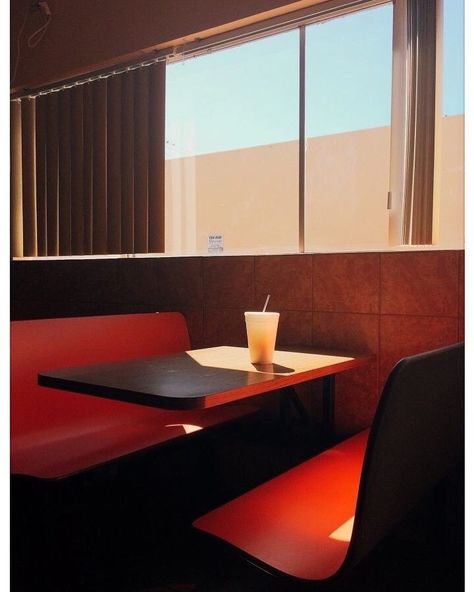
[(52, 173), (114, 158), (127, 162), (41, 178), (29, 177), (65, 173), (141, 162), (88, 179), (77, 171), (99, 163), (16, 184), (156, 165)]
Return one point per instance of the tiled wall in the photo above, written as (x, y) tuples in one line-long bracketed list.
[(390, 304)]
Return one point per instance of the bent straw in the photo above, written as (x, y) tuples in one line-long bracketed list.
[(266, 303)]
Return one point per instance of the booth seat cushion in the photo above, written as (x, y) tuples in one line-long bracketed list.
[(63, 451), (300, 522), (55, 433)]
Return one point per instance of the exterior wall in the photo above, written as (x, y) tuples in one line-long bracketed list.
[(251, 195), (390, 304), (450, 218), (347, 182), (248, 195)]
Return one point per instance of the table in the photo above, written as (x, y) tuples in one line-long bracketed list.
[(203, 378)]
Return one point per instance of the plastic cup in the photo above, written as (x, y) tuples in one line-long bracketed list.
[(261, 335)]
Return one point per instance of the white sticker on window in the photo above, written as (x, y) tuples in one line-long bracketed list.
[(215, 243)]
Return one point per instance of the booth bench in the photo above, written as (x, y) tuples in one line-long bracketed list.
[(55, 434)]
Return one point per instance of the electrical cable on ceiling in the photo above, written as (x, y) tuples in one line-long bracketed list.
[(35, 38), (18, 47)]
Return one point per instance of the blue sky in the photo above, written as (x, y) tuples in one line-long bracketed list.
[(248, 95), (453, 62)]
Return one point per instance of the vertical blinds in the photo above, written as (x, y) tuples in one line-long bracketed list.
[(420, 127), (87, 168)]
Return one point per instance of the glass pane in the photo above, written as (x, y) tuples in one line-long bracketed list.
[(348, 109), (449, 218), (232, 149), (453, 57)]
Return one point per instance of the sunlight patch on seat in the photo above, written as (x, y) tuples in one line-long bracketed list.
[(188, 428), (343, 532)]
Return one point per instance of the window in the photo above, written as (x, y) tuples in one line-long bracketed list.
[(348, 109), (232, 148), (232, 140)]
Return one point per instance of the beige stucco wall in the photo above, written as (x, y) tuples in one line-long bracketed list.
[(347, 180), (449, 206), (250, 196)]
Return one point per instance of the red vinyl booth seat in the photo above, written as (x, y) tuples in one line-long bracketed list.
[(304, 516), (56, 433)]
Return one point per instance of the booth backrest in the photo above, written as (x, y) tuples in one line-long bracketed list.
[(58, 343), (416, 438)]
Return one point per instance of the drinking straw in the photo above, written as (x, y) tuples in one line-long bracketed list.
[(266, 302)]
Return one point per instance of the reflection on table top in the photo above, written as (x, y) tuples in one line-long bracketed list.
[(198, 378)]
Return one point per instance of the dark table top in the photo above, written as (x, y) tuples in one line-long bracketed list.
[(198, 378)]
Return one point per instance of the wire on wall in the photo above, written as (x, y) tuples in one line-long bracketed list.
[(35, 38)]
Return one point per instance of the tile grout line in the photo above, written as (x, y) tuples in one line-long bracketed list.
[(312, 299), (459, 288), (458, 282), (379, 341), (203, 302)]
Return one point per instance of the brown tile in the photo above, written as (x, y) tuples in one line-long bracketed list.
[(287, 278), (27, 310), (347, 282), (402, 336), (294, 328), (137, 281), (357, 396), (65, 281), (357, 333), (53, 310), (229, 282), (96, 280), (26, 281), (420, 283), (461, 284), (224, 327), (179, 282)]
